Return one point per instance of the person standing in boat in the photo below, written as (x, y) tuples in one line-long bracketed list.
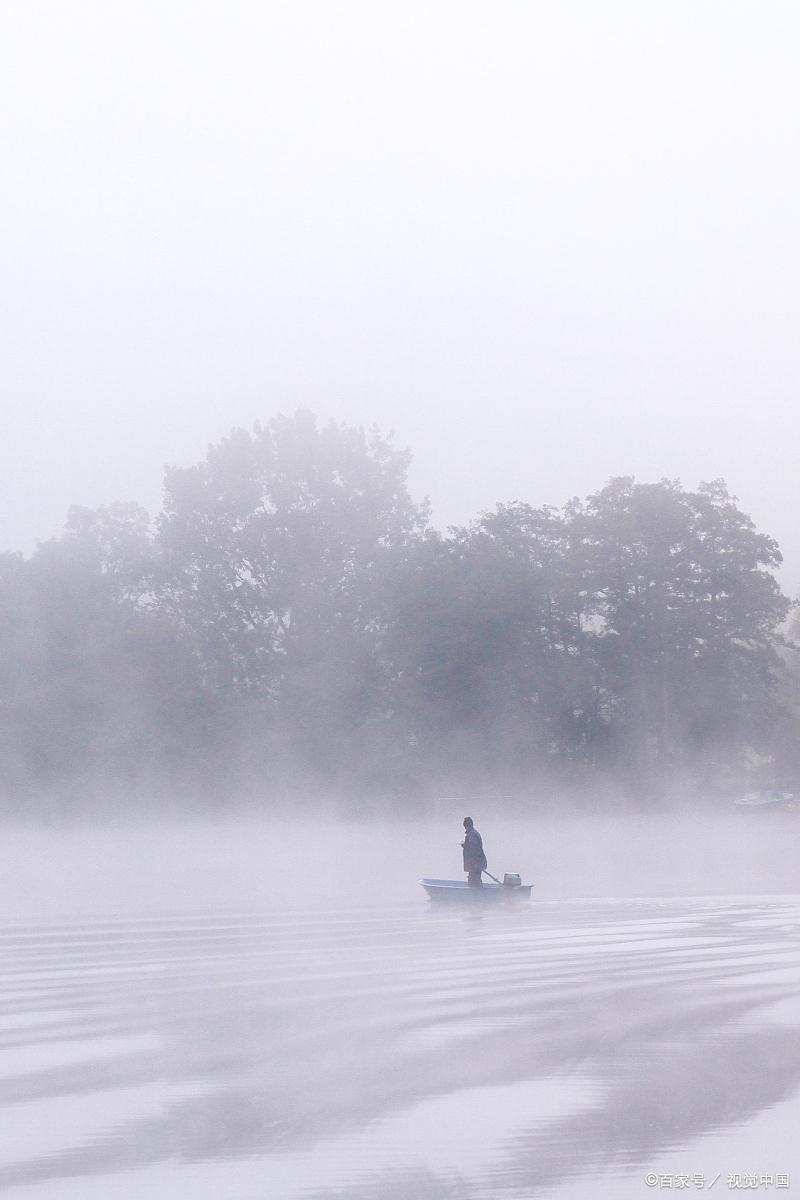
[(474, 858)]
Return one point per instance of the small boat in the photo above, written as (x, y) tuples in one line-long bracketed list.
[(459, 890)]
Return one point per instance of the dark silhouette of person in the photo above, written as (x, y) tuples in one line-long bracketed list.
[(474, 858)]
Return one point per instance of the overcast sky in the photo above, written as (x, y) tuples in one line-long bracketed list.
[(544, 242)]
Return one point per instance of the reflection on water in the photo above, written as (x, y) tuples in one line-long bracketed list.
[(399, 1052)]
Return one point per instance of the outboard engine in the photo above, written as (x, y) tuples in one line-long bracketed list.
[(511, 880)]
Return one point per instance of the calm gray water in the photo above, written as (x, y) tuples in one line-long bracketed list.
[(155, 1045)]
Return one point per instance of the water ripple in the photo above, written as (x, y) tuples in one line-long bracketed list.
[(392, 1051)]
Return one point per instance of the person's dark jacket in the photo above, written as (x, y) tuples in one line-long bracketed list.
[(474, 858)]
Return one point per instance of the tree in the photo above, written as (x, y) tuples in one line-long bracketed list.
[(558, 647), (485, 651), (272, 547), (97, 695), (688, 612)]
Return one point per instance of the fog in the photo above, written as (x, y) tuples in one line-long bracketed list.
[(275, 864), (399, 422), (257, 1008), (546, 245)]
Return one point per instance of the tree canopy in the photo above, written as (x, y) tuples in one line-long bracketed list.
[(291, 624)]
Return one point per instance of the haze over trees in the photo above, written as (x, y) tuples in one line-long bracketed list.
[(291, 627)]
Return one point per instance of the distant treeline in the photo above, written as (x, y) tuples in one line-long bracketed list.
[(292, 627)]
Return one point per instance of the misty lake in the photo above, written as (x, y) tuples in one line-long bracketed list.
[(249, 1011)]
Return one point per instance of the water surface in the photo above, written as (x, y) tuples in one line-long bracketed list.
[(355, 1044)]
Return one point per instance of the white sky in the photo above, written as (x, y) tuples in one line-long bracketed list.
[(545, 242)]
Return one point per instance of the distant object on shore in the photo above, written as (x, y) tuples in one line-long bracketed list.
[(771, 799)]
